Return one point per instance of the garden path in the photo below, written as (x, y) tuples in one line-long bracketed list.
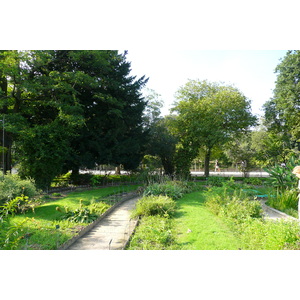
[(272, 213), (112, 232)]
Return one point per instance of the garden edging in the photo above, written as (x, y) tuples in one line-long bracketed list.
[(267, 209)]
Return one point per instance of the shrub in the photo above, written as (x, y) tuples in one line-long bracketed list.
[(253, 181), (231, 183), (172, 189), (282, 177), (215, 181), (234, 206), (270, 235), (238, 210), (16, 205), (285, 200), (84, 214), (13, 186), (80, 215), (154, 205)]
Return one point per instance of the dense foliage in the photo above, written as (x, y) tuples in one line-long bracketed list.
[(12, 186), (282, 111), (69, 109), (209, 115)]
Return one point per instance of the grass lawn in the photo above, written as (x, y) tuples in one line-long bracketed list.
[(44, 229), (199, 229)]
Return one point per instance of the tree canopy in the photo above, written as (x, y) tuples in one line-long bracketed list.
[(209, 115), (70, 109), (282, 112)]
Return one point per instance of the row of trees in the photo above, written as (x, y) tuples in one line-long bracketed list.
[(213, 121), (69, 109), (276, 138)]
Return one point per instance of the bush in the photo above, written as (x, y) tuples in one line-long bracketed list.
[(154, 205), (253, 181), (13, 186), (17, 205), (235, 206), (172, 189), (215, 181), (270, 235), (84, 214), (281, 177), (285, 200)]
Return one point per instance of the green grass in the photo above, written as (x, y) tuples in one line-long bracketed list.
[(43, 228), (200, 229)]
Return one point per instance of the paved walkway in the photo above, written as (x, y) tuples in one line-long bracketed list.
[(272, 213), (112, 232)]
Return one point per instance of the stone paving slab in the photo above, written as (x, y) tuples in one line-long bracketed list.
[(112, 232)]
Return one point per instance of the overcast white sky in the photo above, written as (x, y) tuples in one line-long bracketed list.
[(251, 71)]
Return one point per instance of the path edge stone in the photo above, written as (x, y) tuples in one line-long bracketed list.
[(284, 215)]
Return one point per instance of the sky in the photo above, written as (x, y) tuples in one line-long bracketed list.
[(251, 71)]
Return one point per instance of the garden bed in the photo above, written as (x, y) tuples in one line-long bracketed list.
[(44, 227)]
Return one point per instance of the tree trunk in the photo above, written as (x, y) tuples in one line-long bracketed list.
[(206, 163), (168, 167), (75, 171), (118, 170)]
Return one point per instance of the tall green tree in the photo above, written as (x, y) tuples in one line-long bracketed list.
[(113, 108), (284, 108), (41, 113), (70, 109), (282, 111), (209, 115)]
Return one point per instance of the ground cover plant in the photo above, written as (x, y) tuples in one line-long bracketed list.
[(244, 217), (54, 222), (154, 233)]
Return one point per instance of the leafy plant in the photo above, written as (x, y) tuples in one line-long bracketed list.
[(281, 177), (13, 236), (253, 180), (154, 205), (80, 215), (215, 181), (12, 186), (285, 200), (257, 234), (236, 206), (172, 189), (16, 205)]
